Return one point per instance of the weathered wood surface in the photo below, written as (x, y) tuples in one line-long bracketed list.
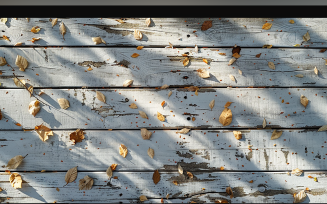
[(198, 150), (68, 67), (178, 31), (275, 187), (280, 107)]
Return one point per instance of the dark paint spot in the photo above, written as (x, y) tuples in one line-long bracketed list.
[(185, 97), (188, 36), (188, 118), (185, 77), (126, 99)]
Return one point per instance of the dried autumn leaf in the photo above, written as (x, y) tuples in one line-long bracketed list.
[(14, 162), (205, 61), (180, 169), (240, 72), (85, 183), (300, 197), (206, 25), (148, 22), (2, 61), (189, 174), (19, 83), (138, 35), (15, 180), (43, 132), (299, 75), (35, 29), (146, 134), (77, 136), (316, 70), (143, 198), (231, 61), (151, 152), (175, 182), (109, 172), (229, 192), (306, 37), (127, 83), (297, 172), (184, 131), (156, 177), (135, 55), (232, 77), (34, 107), (323, 50), (62, 29), (186, 61), (322, 128), (228, 103), (100, 96), (161, 117), (21, 62), (54, 22), (266, 26), (71, 175), (291, 21), (212, 104), (276, 134), (6, 38), (165, 86), (98, 40), (123, 150), (133, 106), (267, 46), (63, 103), (139, 47), (236, 49), (304, 101), (258, 55), (143, 115), (34, 39), (236, 55), (237, 134), (18, 44), (264, 124), (225, 117), (271, 65), (203, 73), (170, 93), (113, 166)]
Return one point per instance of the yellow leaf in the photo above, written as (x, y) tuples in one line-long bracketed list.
[(221, 53), (227, 104), (205, 61), (43, 132), (148, 22), (225, 117), (30, 90), (2, 61), (297, 172), (267, 46), (264, 124), (6, 38), (236, 55), (138, 35), (237, 134), (35, 29), (120, 21), (266, 26), (139, 47), (306, 37), (222, 168), (231, 61), (175, 182), (232, 77), (109, 172), (43, 171), (251, 181), (316, 71), (315, 179), (135, 55), (180, 169), (123, 150), (114, 166), (186, 61), (165, 86), (34, 107), (291, 21), (160, 117), (16, 180), (54, 22), (143, 115), (196, 92), (297, 45)]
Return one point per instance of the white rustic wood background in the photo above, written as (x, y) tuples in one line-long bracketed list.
[(59, 68)]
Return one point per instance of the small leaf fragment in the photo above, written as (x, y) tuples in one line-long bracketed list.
[(264, 124), (271, 65), (236, 55), (237, 134), (228, 103), (175, 182), (139, 47), (315, 179), (21, 62), (18, 44), (120, 21), (316, 70), (225, 117), (161, 117), (127, 83), (151, 152), (206, 25), (322, 50), (16, 180), (100, 96), (146, 134), (189, 174), (34, 107), (98, 40), (62, 29), (170, 93), (109, 172), (133, 106), (205, 60), (143, 198), (135, 55), (306, 37), (183, 131), (304, 101), (203, 73), (138, 35), (297, 172), (322, 128), (297, 45), (57, 189), (240, 72), (232, 77), (196, 49), (156, 177), (299, 75), (113, 166), (212, 104), (186, 61), (43, 132), (123, 150), (6, 38), (276, 134), (148, 22), (267, 46), (54, 22), (258, 55), (300, 197), (165, 86), (291, 21), (266, 26), (77, 136), (35, 29), (2, 61), (231, 61), (63, 103), (85, 183), (143, 115), (71, 175), (229, 192)]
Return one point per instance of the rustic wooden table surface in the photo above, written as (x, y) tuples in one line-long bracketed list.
[(255, 167)]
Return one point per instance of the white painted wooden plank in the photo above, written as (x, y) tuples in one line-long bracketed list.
[(199, 150), (280, 106), (55, 67), (178, 31), (266, 187)]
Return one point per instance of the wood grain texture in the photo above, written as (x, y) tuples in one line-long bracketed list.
[(275, 187), (198, 150), (69, 67), (245, 32), (280, 107)]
